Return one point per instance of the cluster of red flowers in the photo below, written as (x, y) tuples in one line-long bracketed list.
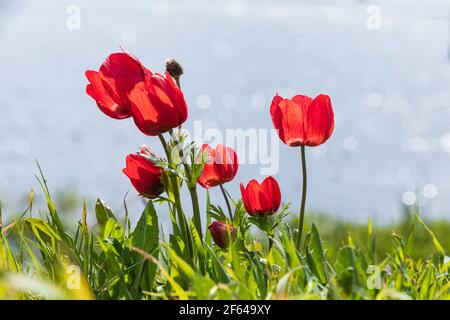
[(123, 88)]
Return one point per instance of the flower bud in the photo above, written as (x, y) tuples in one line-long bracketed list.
[(146, 151), (220, 232)]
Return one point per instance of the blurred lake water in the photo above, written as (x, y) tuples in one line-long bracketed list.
[(389, 82)]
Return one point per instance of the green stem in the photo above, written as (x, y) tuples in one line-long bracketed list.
[(166, 149), (178, 206), (192, 185), (181, 215), (181, 154), (176, 194), (177, 80), (208, 218), (302, 208), (196, 209), (225, 196), (173, 181)]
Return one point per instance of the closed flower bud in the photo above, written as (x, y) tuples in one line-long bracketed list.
[(146, 151), (220, 232)]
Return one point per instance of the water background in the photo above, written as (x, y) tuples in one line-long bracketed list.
[(390, 89)]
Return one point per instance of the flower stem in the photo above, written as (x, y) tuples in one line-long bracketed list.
[(179, 207), (225, 196), (192, 185), (176, 194), (164, 144), (302, 208), (196, 209), (177, 80)]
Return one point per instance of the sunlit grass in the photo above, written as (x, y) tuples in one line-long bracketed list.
[(40, 258)]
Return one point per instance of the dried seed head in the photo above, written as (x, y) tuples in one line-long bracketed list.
[(174, 68)]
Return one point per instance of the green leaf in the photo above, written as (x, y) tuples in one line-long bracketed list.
[(316, 256), (426, 286), (178, 290), (202, 287), (182, 266), (197, 240), (288, 249), (218, 268), (113, 230), (146, 234), (146, 237), (103, 214), (42, 231), (436, 243)]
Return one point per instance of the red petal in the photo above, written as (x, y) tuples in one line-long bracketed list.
[(276, 115), (209, 177), (208, 153), (226, 163), (293, 116), (253, 191), (150, 115), (168, 93), (235, 161), (245, 199), (265, 206), (302, 100), (178, 98), (125, 69), (272, 191), (144, 175), (108, 101), (319, 121)]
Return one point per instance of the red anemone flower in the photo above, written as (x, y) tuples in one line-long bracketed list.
[(111, 85), (261, 199), (221, 166), (144, 175), (157, 104), (302, 121)]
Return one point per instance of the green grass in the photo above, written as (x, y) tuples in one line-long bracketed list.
[(41, 258), (335, 233)]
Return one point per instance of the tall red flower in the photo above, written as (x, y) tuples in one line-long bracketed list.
[(111, 85), (302, 121), (157, 104), (144, 175), (221, 166), (262, 199), (221, 232)]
